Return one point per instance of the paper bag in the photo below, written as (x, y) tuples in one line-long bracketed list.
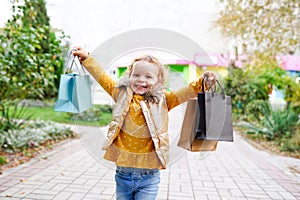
[(189, 127), (74, 94)]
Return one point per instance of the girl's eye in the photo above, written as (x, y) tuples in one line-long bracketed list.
[(135, 75), (149, 77)]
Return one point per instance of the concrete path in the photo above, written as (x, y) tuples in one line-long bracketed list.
[(73, 170)]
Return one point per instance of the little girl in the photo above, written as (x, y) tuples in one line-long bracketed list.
[(137, 139)]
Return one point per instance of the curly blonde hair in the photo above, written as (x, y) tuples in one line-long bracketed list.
[(162, 69)]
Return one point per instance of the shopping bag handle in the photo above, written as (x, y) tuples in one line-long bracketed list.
[(73, 61), (213, 90)]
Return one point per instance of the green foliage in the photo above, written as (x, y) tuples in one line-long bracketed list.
[(33, 18), (263, 120), (33, 134), (10, 113), (263, 30), (31, 55), (291, 144), (2, 160), (268, 69), (256, 80), (274, 76), (292, 94), (243, 86)]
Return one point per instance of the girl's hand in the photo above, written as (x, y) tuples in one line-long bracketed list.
[(80, 52), (210, 80)]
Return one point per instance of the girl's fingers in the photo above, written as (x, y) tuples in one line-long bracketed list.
[(80, 52), (211, 78), (77, 48)]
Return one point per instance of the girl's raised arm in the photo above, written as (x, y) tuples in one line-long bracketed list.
[(93, 67)]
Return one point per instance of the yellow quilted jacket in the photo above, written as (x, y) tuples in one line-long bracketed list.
[(156, 114)]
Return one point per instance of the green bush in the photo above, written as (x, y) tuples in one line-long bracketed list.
[(10, 113), (292, 94), (31, 60), (33, 134), (243, 86), (291, 144), (256, 80), (263, 120), (2, 161), (31, 55)]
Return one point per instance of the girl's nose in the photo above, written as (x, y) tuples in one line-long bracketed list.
[(141, 79)]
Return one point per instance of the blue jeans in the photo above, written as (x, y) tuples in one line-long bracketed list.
[(137, 184)]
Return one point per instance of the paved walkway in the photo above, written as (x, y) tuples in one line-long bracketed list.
[(235, 171)]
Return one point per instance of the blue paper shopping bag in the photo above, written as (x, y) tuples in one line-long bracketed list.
[(74, 93)]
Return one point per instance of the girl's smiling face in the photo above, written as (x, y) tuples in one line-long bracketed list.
[(143, 76)]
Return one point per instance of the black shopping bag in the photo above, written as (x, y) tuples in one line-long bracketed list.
[(215, 120)]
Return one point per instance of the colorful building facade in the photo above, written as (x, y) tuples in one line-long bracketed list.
[(182, 72)]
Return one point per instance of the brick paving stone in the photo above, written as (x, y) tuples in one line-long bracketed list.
[(11, 182), (45, 192), (4, 180), (58, 187), (236, 193), (287, 195), (40, 196), (13, 198), (235, 171), (10, 192), (77, 196), (208, 192), (213, 197), (80, 180), (257, 196), (63, 195), (23, 192), (275, 195), (93, 196), (108, 191), (201, 197), (174, 188), (91, 182), (2, 188), (224, 193), (78, 188), (49, 186), (106, 197), (179, 194)]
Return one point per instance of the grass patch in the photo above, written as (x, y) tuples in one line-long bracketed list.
[(2, 160), (98, 115)]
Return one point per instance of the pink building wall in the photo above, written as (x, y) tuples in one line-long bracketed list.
[(288, 62)]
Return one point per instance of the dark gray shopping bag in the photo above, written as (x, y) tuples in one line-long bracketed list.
[(215, 121), (74, 93)]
